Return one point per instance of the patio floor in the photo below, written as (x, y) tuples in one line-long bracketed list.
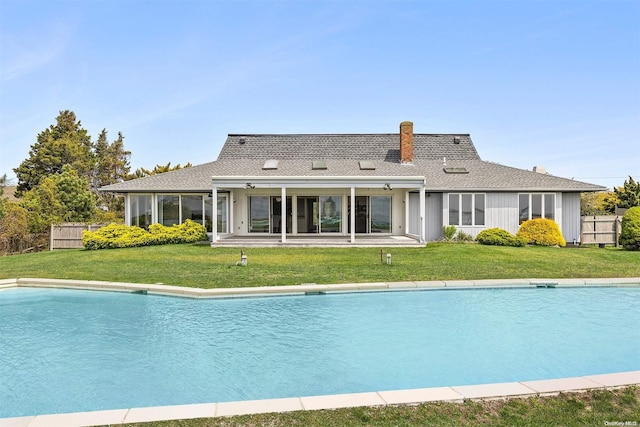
[(317, 241)]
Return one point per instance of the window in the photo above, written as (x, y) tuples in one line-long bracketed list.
[(466, 209), (330, 214), (222, 214), (380, 214), (192, 208), (168, 209), (536, 205), (140, 211), (258, 214)]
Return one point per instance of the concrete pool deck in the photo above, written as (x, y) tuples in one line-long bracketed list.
[(378, 398)]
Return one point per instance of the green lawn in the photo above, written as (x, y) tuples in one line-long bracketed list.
[(592, 408), (206, 267)]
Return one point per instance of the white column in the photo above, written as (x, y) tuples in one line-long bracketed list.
[(353, 215), (423, 216), (214, 216), (230, 212), (283, 214)]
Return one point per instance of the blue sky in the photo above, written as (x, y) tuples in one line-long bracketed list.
[(534, 82)]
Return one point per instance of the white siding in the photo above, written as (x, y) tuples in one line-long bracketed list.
[(413, 227), (502, 211), (433, 208), (570, 224)]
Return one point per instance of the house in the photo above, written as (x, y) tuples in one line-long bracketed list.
[(405, 186)]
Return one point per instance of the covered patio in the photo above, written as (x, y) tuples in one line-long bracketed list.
[(365, 241)]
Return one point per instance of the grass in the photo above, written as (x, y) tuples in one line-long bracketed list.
[(206, 267), (591, 408)]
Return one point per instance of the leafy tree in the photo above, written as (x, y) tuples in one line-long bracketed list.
[(64, 197), (3, 200), (14, 233), (142, 172), (65, 143), (595, 203)]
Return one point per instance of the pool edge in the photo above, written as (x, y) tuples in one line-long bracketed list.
[(379, 398)]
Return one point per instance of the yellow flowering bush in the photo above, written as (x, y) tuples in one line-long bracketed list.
[(541, 231), (123, 236)]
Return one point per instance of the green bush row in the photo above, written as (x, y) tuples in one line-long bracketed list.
[(123, 236)]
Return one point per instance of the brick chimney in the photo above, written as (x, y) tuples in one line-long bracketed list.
[(406, 142)]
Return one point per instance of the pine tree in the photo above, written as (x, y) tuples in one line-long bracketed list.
[(65, 143)]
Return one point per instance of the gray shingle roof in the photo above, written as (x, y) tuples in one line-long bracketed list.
[(342, 153)]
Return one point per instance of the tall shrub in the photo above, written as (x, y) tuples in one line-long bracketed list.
[(630, 232)]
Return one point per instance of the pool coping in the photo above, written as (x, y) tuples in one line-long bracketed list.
[(377, 398)]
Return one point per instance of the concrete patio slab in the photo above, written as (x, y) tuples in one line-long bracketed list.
[(419, 395), (177, 412), (80, 419), (618, 379), (342, 401), (561, 384), (491, 391), (227, 409)]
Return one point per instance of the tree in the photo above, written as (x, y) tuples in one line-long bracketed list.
[(142, 172), (64, 197), (3, 200), (629, 194), (65, 143), (112, 166), (595, 203), (13, 229)]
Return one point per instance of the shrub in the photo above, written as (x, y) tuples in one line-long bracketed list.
[(449, 231), (499, 237), (461, 236), (541, 231), (630, 231), (123, 236)]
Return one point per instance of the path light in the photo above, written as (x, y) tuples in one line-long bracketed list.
[(388, 258)]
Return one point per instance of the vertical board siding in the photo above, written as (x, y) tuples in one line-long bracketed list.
[(433, 212), (501, 211), (570, 222)]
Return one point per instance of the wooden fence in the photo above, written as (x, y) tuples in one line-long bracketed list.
[(69, 235), (600, 230)]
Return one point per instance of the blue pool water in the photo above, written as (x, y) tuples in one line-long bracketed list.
[(68, 351)]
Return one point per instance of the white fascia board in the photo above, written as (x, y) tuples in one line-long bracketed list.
[(318, 181)]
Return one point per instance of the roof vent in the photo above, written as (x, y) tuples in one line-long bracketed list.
[(270, 164), (456, 140), (540, 169), (242, 141), (455, 170), (319, 164), (367, 165)]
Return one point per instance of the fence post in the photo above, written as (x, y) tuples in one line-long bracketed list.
[(618, 230)]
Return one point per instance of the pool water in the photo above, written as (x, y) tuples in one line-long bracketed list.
[(69, 351)]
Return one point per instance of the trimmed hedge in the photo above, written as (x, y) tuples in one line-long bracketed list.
[(541, 231), (123, 236), (630, 229), (499, 237)]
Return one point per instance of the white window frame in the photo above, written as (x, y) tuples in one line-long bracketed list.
[(473, 209), (542, 206)]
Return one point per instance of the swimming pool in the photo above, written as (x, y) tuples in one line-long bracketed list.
[(68, 351)]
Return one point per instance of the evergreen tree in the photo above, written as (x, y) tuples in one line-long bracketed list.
[(142, 172), (3, 200), (629, 194), (65, 143)]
